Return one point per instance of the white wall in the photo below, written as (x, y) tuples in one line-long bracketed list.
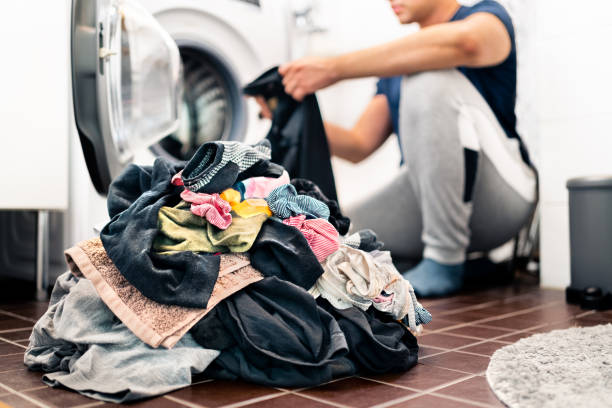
[(574, 114)]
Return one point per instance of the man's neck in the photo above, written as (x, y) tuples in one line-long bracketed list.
[(441, 14)]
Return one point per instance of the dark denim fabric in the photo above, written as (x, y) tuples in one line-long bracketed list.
[(280, 337), (297, 135), (134, 200)]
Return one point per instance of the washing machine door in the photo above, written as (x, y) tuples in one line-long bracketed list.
[(126, 82)]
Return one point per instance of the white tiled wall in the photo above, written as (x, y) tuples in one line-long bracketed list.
[(574, 114)]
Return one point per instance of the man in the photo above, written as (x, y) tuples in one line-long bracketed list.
[(448, 91)]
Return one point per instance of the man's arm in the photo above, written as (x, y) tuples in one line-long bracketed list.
[(368, 134), (477, 41)]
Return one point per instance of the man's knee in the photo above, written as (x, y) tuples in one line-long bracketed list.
[(430, 90)]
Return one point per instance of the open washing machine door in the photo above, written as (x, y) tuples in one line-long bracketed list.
[(126, 82)]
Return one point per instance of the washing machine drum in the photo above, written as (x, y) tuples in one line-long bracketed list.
[(212, 107)]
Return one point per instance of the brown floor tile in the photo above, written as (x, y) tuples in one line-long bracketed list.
[(437, 324), (22, 379), (456, 360), (425, 351), (218, 393), (16, 335), (475, 389), (421, 377), (552, 314), (487, 348), (159, 402), (431, 401), (467, 317), (477, 331), (446, 341), (11, 362), (8, 348), (357, 392), (32, 310), (515, 322), (449, 307), (15, 401), (516, 336), (289, 400), (10, 323), (59, 398)]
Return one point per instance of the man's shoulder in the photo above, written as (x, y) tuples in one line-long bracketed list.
[(488, 6)]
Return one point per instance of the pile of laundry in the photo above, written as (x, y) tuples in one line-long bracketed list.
[(226, 267)]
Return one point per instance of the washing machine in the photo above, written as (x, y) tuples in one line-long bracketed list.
[(146, 78), (160, 77)]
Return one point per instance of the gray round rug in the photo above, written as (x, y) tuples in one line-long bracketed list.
[(562, 368)]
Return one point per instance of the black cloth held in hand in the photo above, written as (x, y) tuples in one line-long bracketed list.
[(134, 200), (297, 135), (281, 250), (307, 187)]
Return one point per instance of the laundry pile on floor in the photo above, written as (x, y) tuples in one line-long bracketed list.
[(227, 267)]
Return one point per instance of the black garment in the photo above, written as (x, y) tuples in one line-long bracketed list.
[(297, 134), (307, 187), (134, 200), (377, 343), (280, 337), (281, 250)]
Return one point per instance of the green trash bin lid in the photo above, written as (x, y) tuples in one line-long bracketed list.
[(590, 182)]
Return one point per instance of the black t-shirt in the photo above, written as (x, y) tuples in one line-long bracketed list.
[(497, 84)]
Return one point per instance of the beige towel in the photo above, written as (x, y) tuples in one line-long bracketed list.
[(154, 323)]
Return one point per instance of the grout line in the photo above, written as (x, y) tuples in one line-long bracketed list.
[(18, 316), (404, 387), (13, 343), (181, 401), (90, 404), (203, 381), (400, 399), (35, 388), (16, 330), (25, 397), (324, 401), (256, 399), (467, 401)]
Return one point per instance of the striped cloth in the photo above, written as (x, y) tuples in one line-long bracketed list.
[(319, 233), (210, 206), (212, 158), (285, 202)]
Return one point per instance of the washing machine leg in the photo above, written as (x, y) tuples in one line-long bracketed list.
[(42, 255)]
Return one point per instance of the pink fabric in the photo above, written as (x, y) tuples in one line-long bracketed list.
[(383, 299), (177, 179), (320, 234), (260, 187), (214, 208)]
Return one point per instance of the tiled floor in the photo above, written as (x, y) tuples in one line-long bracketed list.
[(455, 352)]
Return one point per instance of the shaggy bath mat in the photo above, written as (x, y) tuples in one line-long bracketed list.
[(562, 368)]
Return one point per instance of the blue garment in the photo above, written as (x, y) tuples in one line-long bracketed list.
[(496, 84), (80, 344), (285, 202)]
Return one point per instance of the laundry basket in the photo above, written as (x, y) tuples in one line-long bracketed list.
[(590, 216)]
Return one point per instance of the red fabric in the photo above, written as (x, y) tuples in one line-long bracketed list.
[(214, 208), (177, 179), (320, 234)]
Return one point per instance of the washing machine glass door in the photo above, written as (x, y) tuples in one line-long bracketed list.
[(126, 81)]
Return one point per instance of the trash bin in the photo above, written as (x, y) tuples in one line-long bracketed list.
[(590, 219)]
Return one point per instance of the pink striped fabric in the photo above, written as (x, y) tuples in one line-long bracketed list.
[(320, 234), (215, 209), (260, 187)]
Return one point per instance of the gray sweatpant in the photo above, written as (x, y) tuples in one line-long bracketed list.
[(464, 186)]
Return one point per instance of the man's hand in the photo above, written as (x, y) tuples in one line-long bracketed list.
[(307, 75)]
